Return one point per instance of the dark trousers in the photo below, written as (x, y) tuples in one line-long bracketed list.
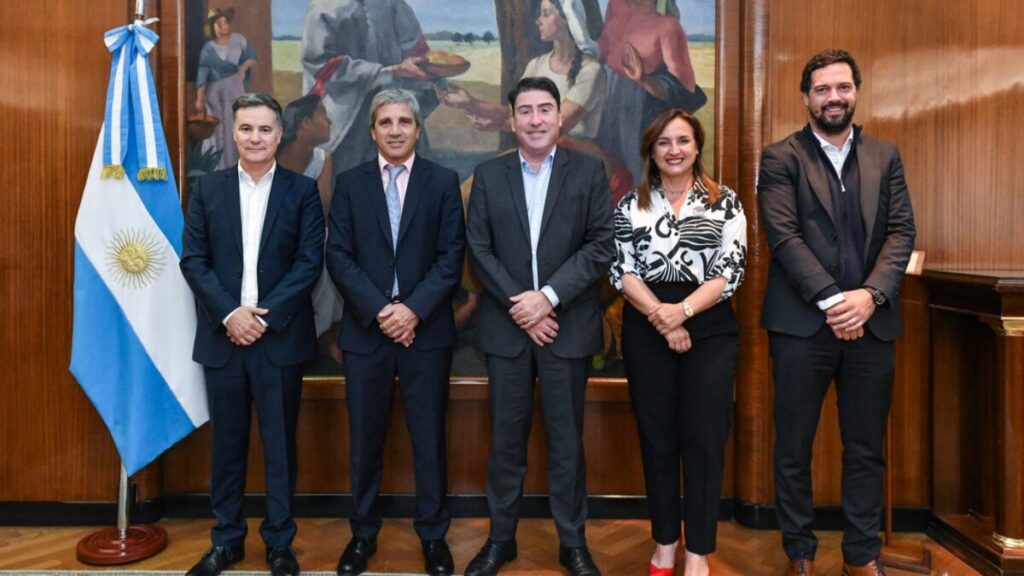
[(562, 385), (423, 381), (250, 378), (683, 405), (863, 372)]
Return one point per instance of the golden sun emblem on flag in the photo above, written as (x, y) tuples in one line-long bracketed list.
[(135, 258)]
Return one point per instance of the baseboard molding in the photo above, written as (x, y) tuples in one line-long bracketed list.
[(763, 517), (196, 505)]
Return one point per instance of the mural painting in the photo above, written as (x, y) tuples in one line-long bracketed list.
[(617, 64)]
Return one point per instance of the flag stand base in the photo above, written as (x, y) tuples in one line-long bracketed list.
[(123, 543), (110, 546)]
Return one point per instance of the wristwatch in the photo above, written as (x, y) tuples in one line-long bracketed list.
[(876, 295)]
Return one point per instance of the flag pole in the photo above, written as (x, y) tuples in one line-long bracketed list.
[(124, 543)]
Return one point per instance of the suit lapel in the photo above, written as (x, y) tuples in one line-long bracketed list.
[(413, 194), (514, 173), (278, 189), (377, 199), (231, 188), (558, 169), (870, 184), (807, 150)]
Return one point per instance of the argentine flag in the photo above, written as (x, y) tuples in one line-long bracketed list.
[(134, 319)]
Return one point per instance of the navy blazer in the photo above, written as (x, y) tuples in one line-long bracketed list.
[(290, 262), (799, 223), (575, 250), (362, 261)]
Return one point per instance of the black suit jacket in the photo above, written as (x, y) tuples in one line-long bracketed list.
[(362, 262), (290, 261), (576, 248), (799, 223)]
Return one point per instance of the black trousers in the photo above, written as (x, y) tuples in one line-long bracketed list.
[(250, 378), (683, 405), (562, 385), (423, 377), (803, 369)]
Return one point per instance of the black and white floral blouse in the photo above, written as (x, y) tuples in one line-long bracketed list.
[(705, 242)]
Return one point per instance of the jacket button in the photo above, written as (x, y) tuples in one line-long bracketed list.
[(832, 268), (238, 274)]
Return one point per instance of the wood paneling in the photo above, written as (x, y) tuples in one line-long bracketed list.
[(54, 70)]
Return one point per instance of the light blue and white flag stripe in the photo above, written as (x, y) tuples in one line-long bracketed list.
[(134, 315), (131, 89)]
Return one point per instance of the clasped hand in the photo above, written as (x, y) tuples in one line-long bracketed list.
[(243, 327), (398, 322), (666, 317), (847, 318), (533, 312)]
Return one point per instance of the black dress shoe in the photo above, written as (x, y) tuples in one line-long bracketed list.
[(491, 557), (357, 554), (282, 562), (438, 557), (577, 559), (215, 561)]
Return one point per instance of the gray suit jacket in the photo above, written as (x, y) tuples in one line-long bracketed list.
[(799, 223), (576, 248)]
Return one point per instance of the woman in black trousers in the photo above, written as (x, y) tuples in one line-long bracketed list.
[(681, 248)]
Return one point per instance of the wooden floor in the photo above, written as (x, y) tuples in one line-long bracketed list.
[(620, 547)]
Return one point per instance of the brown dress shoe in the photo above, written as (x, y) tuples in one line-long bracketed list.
[(872, 568), (800, 567)]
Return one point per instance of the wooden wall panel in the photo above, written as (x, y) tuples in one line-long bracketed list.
[(53, 69)]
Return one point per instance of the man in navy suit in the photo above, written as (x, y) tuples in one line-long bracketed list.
[(394, 250), (252, 252)]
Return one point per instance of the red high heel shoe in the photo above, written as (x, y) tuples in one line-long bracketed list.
[(653, 570)]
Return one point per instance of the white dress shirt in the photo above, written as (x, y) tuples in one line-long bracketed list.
[(252, 196)]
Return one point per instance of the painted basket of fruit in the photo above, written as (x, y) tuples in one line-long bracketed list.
[(200, 127), (444, 64)]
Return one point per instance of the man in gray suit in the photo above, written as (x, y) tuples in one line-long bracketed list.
[(840, 228), (539, 232)]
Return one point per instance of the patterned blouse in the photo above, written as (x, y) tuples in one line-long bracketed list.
[(705, 242)]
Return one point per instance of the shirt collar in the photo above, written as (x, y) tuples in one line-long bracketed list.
[(383, 164), (828, 146), (245, 177), (547, 161)]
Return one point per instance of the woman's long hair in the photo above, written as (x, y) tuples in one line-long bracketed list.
[(651, 176)]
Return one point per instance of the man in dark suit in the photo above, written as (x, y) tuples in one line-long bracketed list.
[(395, 250), (252, 251), (539, 232), (839, 224)]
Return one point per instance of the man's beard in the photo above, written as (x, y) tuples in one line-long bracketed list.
[(833, 127)]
